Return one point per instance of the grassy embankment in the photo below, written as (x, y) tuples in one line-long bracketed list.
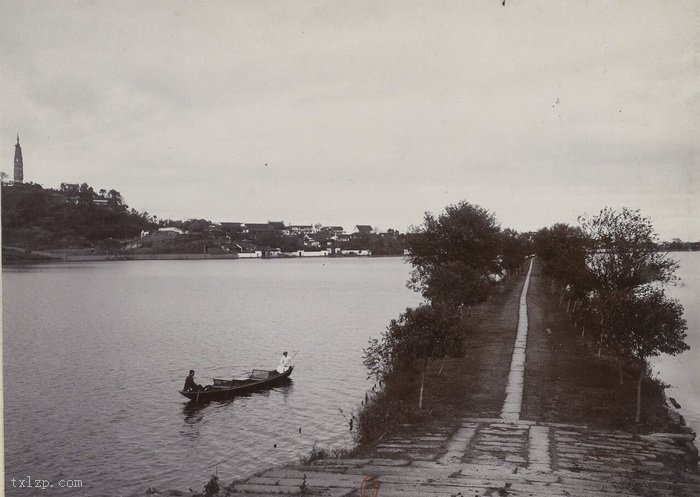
[(472, 386), (565, 381)]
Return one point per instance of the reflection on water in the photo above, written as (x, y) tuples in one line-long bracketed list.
[(194, 411), (285, 388), (95, 355)]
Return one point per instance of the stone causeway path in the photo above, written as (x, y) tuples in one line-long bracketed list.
[(516, 377), (493, 457), (504, 456)]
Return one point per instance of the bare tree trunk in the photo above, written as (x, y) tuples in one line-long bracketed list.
[(600, 346), (442, 365), (583, 330), (561, 298), (568, 304), (620, 375), (422, 384), (575, 304), (642, 370)]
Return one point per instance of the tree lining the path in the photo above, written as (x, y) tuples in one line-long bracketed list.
[(612, 268), (455, 255), (458, 258), (609, 266)]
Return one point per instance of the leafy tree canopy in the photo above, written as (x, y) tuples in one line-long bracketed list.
[(647, 322), (564, 250), (425, 332), (514, 248), (40, 218), (454, 255), (625, 253)]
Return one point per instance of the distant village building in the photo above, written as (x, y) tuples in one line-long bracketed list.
[(259, 228), (165, 231), (171, 230), (342, 237), (335, 233), (357, 252), (19, 164), (363, 229), (245, 246), (306, 229), (276, 225), (233, 227), (306, 253), (73, 188)]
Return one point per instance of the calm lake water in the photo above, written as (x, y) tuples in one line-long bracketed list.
[(682, 372), (94, 355)]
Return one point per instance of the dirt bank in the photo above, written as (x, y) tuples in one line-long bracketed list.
[(472, 386)]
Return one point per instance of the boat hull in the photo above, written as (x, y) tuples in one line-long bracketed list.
[(237, 387)]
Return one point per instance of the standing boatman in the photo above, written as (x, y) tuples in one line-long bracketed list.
[(285, 363)]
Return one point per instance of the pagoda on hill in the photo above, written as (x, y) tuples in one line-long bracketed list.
[(19, 165)]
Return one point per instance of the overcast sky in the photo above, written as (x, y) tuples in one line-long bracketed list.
[(360, 112)]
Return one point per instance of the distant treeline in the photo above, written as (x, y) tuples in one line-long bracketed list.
[(77, 217), (679, 246)]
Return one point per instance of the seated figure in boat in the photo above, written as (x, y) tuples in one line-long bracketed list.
[(190, 385), (285, 363)]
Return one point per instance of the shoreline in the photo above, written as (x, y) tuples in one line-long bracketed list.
[(569, 411), (54, 259), (18, 257)]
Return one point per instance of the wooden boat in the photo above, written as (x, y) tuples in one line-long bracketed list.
[(224, 389)]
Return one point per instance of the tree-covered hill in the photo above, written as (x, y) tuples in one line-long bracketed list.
[(73, 216)]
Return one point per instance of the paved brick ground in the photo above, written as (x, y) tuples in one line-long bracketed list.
[(495, 457)]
